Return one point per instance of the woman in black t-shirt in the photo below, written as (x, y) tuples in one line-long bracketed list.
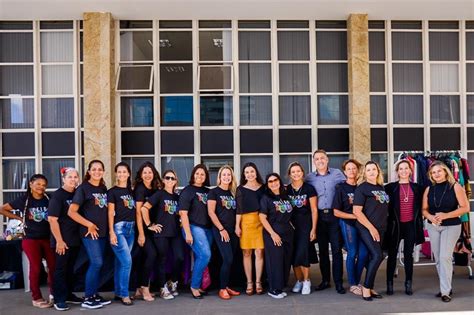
[(275, 214), (221, 207), (36, 242), (165, 228), (371, 210), (122, 215), (196, 224), (89, 209), (65, 239)]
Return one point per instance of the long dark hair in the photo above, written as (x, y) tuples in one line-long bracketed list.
[(87, 176), (156, 182), (34, 178), (282, 187), (207, 182), (243, 180), (129, 180)]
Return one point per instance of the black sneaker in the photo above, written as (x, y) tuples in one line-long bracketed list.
[(91, 303), (61, 306), (101, 300), (73, 299)]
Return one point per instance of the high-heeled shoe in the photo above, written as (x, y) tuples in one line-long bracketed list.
[(366, 298), (197, 297), (258, 288), (249, 290)]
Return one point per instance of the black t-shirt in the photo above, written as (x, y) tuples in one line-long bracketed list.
[(299, 198), (58, 207), (278, 210), (343, 200), (167, 212), (225, 207), (374, 201), (248, 200), (141, 194), (194, 200), (36, 216), (92, 201), (124, 204)]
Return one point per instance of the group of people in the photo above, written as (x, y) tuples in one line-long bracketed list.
[(275, 222)]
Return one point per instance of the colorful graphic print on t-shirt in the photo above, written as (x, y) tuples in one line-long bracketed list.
[(100, 199), (381, 196), (228, 202), (283, 206), (128, 201), (202, 197), (298, 201)]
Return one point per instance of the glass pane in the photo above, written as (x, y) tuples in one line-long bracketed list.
[(136, 162), (444, 78), (443, 25), (286, 160), (382, 160), (254, 46), (333, 109), (135, 24), (215, 24), (407, 77), (331, 45), (295, 110), (255, 110), (136, 111), (378, 109), (444, 46), (52, 170), (377, 77), (216, 110), (16, 25), (57, 46), (406, 46), (16, 173), (264, 164), (292, 24), (407, 109), (470, 109), (17, 113), (181, 165), (56, 80), (376, 46), (16, 80), (445, 109), (331, 24), (57, 113), (255, 78), (294, 78), (254, 24), (134, 78), (176, 78), (214, 163), (336, 160), (470, 45), (332, 77), (55, 25), (16, 47), (470, 77), (215, 46), (136, 46), (406, 25), (175, 24), (176, 110), (215, 78), (293, 45), (176, 46)]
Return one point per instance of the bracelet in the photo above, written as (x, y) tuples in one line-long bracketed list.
[(221, 229), (150, 224)]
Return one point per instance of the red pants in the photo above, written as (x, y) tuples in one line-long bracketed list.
[(36, 250)]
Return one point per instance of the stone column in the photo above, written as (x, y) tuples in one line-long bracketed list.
[(359, 98), (99, 90)]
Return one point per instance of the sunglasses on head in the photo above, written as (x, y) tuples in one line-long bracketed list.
[(170, 178)]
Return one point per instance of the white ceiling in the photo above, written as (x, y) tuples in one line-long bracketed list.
[(239, 9)]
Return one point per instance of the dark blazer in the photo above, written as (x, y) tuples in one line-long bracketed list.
[(392, 236)]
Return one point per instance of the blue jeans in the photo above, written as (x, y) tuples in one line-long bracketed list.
[(357, 253), (125, 232), (202, 241), (95, 251)]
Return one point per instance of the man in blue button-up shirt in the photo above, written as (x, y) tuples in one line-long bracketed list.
[(324, 180)]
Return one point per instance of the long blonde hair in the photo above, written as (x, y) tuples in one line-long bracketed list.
[(233, 184), (449, 175), (363, 178)]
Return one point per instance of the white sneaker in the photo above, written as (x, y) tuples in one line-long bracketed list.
[(284, 294), (298, 286), (165, 294), (173, 287), (306, 287)]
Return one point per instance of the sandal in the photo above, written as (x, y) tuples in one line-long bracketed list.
[(258, 287), (355, 289), (146, 295), (249, 290), (41, 304), (127, 301)]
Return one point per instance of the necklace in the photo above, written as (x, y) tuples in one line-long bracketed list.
[(442, 196), (296, 192), (406, 194)]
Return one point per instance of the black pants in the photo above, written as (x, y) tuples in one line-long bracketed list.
[(64, 274), (227, 251), (407, 233), (375, 255), (328, 231), (144, 259), (278, 258), (163, 245)]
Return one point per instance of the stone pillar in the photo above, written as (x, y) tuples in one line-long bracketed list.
[(99, 90), (359, 98)]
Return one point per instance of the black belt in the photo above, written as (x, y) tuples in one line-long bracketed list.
[(328, 210)]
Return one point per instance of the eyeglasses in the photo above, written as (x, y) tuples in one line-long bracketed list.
[(170, 178), (270, 181)]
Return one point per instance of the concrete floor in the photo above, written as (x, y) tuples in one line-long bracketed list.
[(323, 302)]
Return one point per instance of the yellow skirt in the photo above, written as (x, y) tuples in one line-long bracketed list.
[(252, 231)]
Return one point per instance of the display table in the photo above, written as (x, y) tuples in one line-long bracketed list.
[(11, 259)]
